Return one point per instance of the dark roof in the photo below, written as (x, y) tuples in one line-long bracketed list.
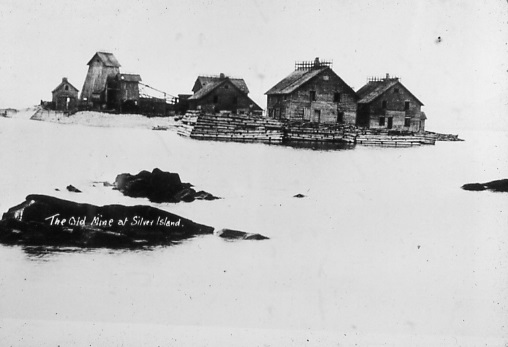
[(64, 82), (129, 77), (107, 59), (295, 80), (374, 89), (209, 87), (203, 81)]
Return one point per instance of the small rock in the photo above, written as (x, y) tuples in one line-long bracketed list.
[(73, 189), (299, 196)]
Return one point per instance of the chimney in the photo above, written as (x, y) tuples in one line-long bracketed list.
[(387, 76), (64, 79), (222, 76), (316, 62)]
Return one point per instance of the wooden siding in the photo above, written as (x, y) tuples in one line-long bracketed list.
[(65, 97), (226, 97), (334, 101), (392, 105), (96, 78)]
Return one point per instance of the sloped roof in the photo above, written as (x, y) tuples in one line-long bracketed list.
[(107, 59), (65, 82), (295, 80), (129, 77), (209, 87), (374, 89), (203, 81)]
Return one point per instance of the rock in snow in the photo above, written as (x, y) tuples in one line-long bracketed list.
[(159, 186), (48, 221), (496, 186), (239, 235)]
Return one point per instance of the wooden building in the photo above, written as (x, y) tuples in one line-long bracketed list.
[(122, 92), (213, 94), (102, 66), (385, 103), (313, 92), (65, 96)]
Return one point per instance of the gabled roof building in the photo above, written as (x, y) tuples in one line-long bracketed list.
[(313, 92), (102, 66), (385, 103), (65, 96), (213, 94)]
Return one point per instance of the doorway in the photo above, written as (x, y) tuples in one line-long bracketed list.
[(390, 122)]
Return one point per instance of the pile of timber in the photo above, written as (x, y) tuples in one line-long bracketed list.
[(354, 135), (321, 133), (394, 140), (444, 137), (230, 127)]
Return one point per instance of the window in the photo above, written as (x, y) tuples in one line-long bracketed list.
[(66, 87), (235, 100), (336, 97), (406, 105), (215, 99), (407, 122), (384, 104), (395, 90), (226, 86), (312, 95), (326, 78), (381, 121), (340, 117)]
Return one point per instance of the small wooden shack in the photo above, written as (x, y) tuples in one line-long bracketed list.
[(65, 96), (213, 94), (385, 103), (102, 66), (313, 92)]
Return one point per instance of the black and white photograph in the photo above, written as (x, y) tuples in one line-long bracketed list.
[(254, 173)]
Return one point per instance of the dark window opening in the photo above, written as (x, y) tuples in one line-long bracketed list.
[(396, 90), (66, 87), (407, 122), (406, 105), (235, 100), (381, 121), (312, 95), (384, 104), (226, 86), (215, 99), (336, 97), (340, 117)]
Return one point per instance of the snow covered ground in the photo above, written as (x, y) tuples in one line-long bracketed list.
[(385, 249)]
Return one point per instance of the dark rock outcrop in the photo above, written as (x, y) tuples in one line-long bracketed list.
[(48, 221), (495, 186), (299, 196), (73, 189), (230, 234), (159, 186)]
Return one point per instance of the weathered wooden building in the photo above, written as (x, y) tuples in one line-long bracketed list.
[(221, 93), (385, 103), (102, 66), (312, 92), (65, 96), (122, 92)]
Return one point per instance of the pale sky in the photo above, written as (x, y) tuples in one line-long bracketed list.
[(462, 80)]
